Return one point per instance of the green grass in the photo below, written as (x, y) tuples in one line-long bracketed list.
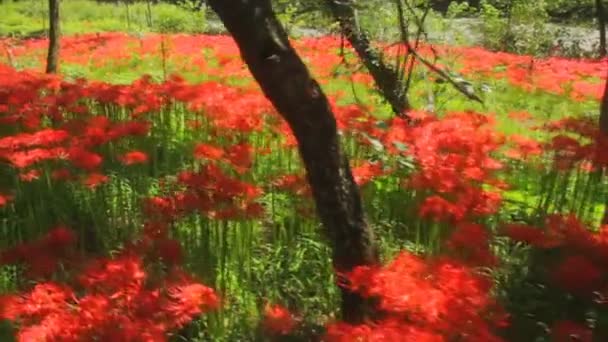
[(30, 18)]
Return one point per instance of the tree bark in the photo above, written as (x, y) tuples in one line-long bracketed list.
[(603, 122), (601, 20), (52, 58), (604, 110), (386, 78), (286, 82)]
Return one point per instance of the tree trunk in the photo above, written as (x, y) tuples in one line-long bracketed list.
[(286, 82), (601, 20), (604, 133), (52, 58), (386, 78), (604, 110)]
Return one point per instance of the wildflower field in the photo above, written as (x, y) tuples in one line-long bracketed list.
[(152, 187)]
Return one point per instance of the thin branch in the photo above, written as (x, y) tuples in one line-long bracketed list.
[(413, 51)]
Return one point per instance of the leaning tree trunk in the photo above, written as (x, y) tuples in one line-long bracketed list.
[(601, 20), (386, 78), (54, 36), (286, 82)]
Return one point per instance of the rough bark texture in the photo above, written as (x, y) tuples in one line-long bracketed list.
[(386, 78), (601, 20), (52, 58), (285, 80)]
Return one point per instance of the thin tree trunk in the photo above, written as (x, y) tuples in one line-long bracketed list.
[(149, 13), (604, 110), (52, 58), (601, 20), (286, 82), (386, 78), (604, 132), (128, 15)]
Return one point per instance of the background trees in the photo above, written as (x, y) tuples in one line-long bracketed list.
[(52, 60)]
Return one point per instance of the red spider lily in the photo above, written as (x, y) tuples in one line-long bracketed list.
[(529, 235), (61, 174), (129, 128), (454, 160), (94, 180), (42, 138), (240, 157), (84, 159), (60, 238), (134, 157), (366, 172), (5, 199), (205, 151), (296, 184), (187, 301), (524, 147), (387, 330), (117, 293), (278, 320), (29, 176), (579, 275), (26, 158), (579, 141), (582, 271), (560, 231), (437, 300), (41, 257), (471, 242)]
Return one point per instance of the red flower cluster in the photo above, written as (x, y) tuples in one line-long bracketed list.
[(582, 269), (43, 256), (116, 301), (435, 300), (454, 155), (278, 320), (578, 142)]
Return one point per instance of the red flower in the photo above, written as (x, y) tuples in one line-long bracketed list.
[(29, 176), (470, 241), (60, 237), (84, 159), (240, 156), (366, 172), (205, 151), (93, 180), (61, 174), (278, 320), (4, 199), (578, 275), (189, 300), (527, 234), (134, 157)]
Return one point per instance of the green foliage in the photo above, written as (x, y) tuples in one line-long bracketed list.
[(523, 30), (174, 19), (30, 18)]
